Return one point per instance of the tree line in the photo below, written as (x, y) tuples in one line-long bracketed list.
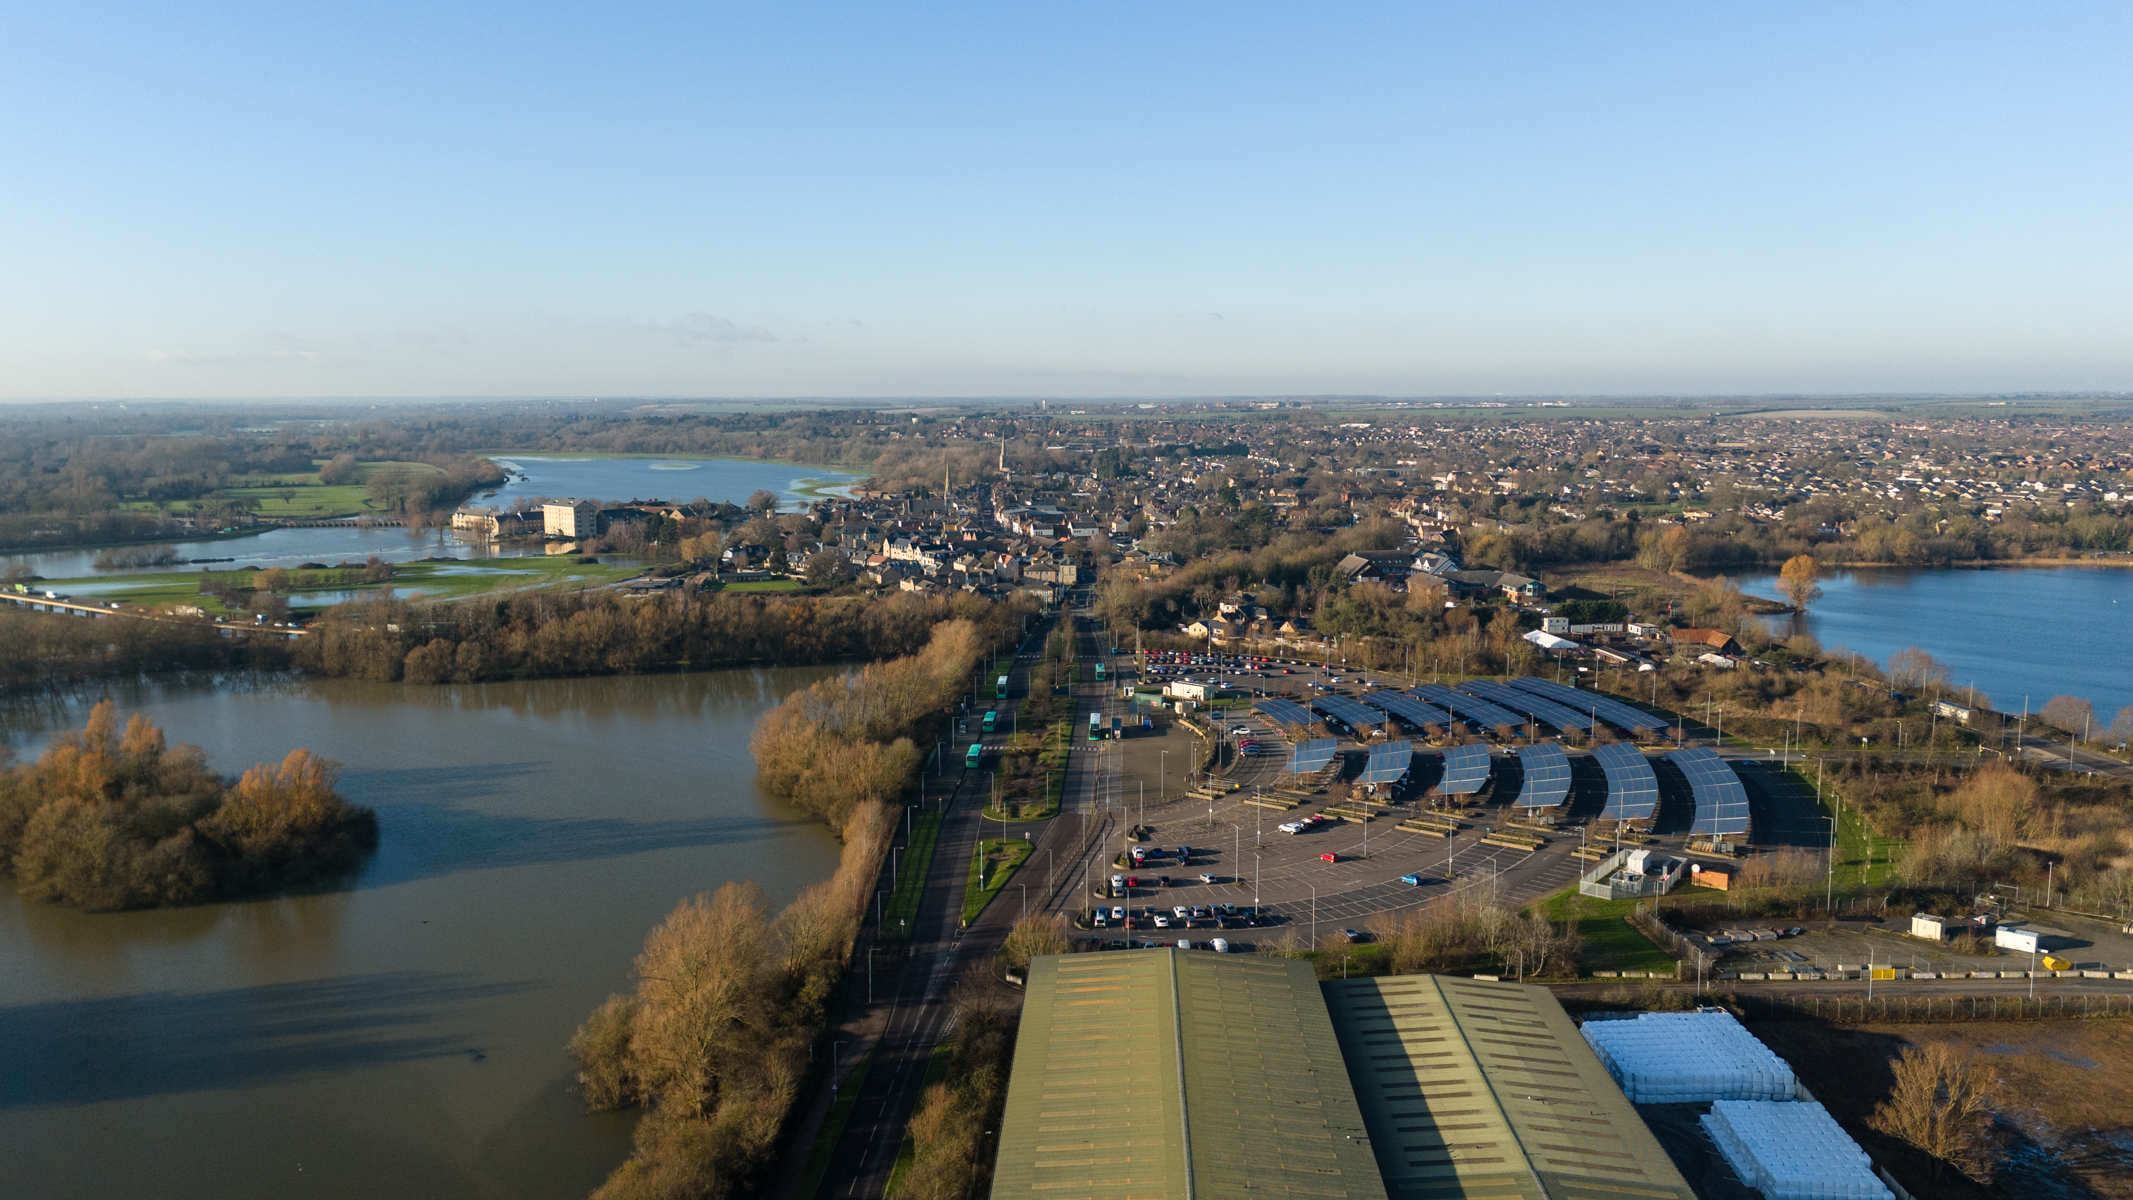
[(113, 819), (713, 1042), (601, 633)]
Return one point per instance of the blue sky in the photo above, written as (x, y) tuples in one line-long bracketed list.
[(1092, 199)]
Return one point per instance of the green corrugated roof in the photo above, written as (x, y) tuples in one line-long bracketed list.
[(1179, 1075), (1479, 1089)]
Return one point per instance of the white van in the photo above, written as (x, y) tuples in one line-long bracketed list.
[(1219, 945)]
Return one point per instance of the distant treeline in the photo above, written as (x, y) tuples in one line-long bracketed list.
[(110, 819), (40, 650), (521, 637), (714, 1041), (601, 633)]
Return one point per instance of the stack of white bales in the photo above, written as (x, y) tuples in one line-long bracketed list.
[(1688, 1058), (1792, 1151)]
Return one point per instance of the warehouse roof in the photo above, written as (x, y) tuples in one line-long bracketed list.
[(1478, 1089), (1179, 1075)]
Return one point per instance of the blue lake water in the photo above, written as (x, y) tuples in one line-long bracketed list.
[(678, 480), (2039, 631)]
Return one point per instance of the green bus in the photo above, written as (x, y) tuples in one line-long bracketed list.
[(1096, 727), (992, 720), (999, 688), (973, 756), (1099, 671)]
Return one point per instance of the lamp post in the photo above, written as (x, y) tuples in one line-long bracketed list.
[(1314, 915)]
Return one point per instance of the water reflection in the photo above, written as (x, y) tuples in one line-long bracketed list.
[(85, 1051), (402, 1034)]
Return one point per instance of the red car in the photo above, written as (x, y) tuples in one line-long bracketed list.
[(1329, 858)]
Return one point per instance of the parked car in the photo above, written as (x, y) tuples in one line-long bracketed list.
[(1118, 912), (1329, 858), (1162, 881), (1355, 935), (1180, 912), (1411, 880), (1206, 878), (1239, 730), (1133, 881), (1161, 921), (1118, 883), (1199, 912), (1291, 827), (1219, 945)]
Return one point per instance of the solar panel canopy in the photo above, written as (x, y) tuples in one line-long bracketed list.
[(1284, 712), (1348, 712), (1310, 756), (1547, 776), (1388, 763), (1632, 789), (1622, 716), (1473, 709), (1466, 770), (1411, 710), (1542, 709), (1721, 801)]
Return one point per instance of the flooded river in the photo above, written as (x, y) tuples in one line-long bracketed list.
[(402, 1036)]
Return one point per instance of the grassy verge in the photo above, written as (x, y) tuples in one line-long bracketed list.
[(762, 585), (1611, 943), (832, 1131), (995, 862), (911, 870), (907, 1152), (1865, 859)]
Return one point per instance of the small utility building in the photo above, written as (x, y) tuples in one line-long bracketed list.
[(1184, 1075)]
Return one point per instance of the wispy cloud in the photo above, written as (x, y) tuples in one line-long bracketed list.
[(281, 349), (703, 329)]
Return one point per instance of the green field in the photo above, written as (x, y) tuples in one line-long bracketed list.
[(432, 580), (1611, 942), (762, 585), (308, 499)]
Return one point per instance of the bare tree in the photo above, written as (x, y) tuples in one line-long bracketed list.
[(1939, 1105), (1797, 580)]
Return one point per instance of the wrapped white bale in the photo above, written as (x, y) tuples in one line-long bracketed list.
[(1688, 1058), (1792, 1151)]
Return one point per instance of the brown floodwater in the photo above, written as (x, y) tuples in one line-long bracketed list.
[(402, 1034)]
